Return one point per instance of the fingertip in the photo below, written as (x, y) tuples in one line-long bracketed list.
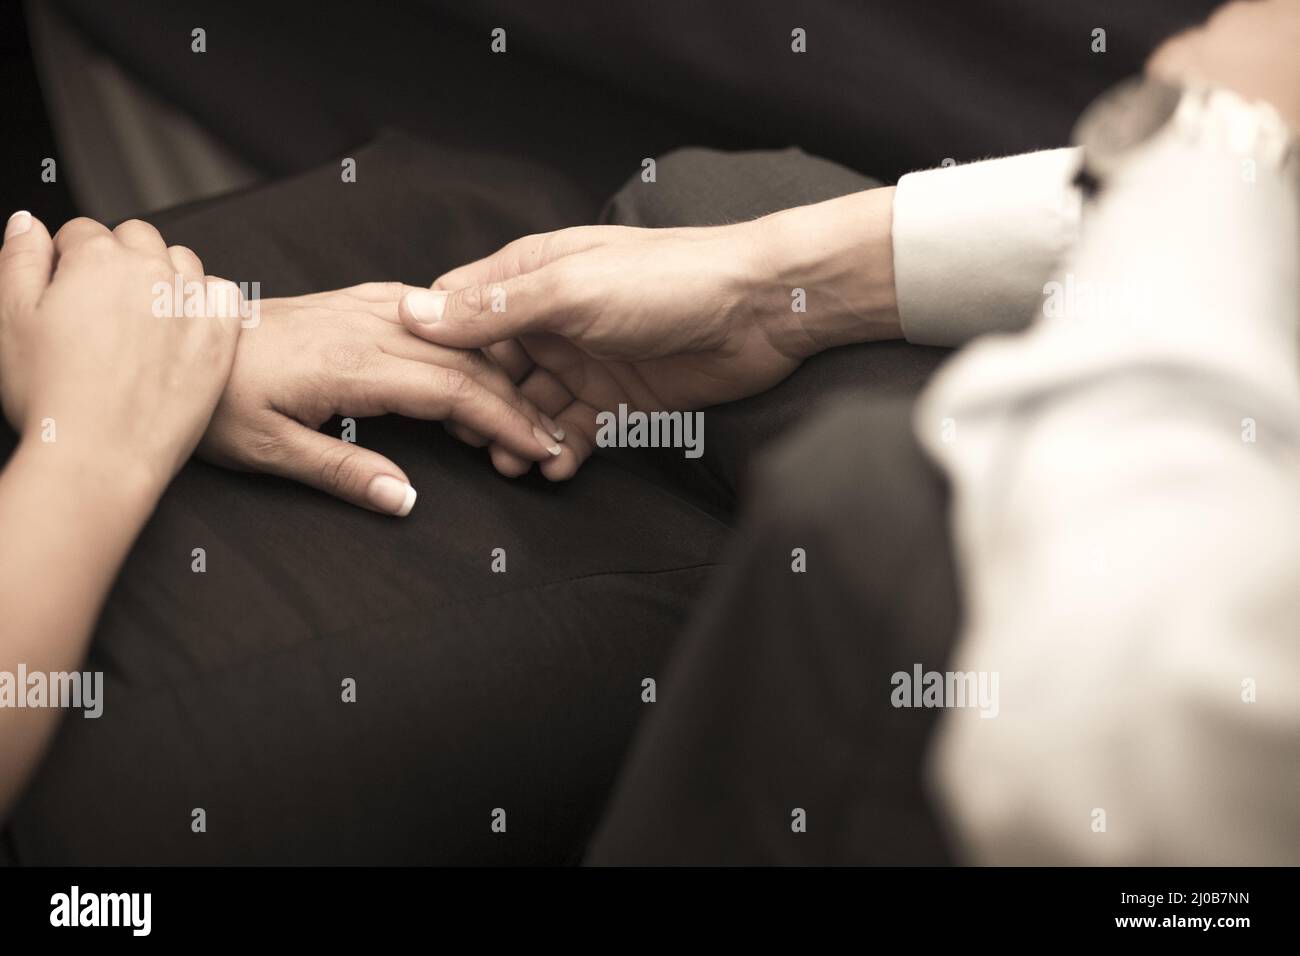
[(391, 495), (23, 224), (404, 311), (508, 463), (561, 468), (27, 262), (405, 316), (389, 490), (421, 308), (17, 224)]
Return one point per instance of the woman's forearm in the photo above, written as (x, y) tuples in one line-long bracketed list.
[(69, 519)]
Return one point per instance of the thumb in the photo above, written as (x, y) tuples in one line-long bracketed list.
[(477, 316), (526, 254), (357, 475), (26, 261)]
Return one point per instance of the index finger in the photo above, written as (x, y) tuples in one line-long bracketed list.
[(435, 393)]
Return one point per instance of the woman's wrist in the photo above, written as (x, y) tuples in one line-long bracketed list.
[(95, 476), (840, 254)]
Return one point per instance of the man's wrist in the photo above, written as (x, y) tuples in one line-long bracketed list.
[(829, 267)]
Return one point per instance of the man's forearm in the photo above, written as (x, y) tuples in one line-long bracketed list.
[(840, 253), (947, 255)]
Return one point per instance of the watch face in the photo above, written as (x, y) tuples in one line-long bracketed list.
[(1123, 118)]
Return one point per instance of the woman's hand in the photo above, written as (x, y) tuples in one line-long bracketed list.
[(110, 387), (94, 361), (589, 318), (344, 352)]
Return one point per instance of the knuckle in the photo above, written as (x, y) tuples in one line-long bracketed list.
[(336, 301), (457, 385), (262, 446), (556, 245), (472, 299), (19, 257), (136, 228), (545, 246), (79, 226), (187, 255), (472, 362), (97, 246), (367, 293), (340, 468), (389, 291)]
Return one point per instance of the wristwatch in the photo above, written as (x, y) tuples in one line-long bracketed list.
[(1128, 116)]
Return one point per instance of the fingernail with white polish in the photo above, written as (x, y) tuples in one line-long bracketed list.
[(391, 496), (546, 441), (18, 223), (426, 306), (553, 428)]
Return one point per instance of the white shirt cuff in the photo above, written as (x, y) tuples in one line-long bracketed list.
[(974, 244)]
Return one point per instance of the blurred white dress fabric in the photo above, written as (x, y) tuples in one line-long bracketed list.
[(1126, 479)]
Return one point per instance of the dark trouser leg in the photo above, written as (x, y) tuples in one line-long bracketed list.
[(694, 186), (778, 698)]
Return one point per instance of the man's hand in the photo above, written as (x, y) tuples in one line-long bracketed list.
[(588, 318), (344, 353)]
